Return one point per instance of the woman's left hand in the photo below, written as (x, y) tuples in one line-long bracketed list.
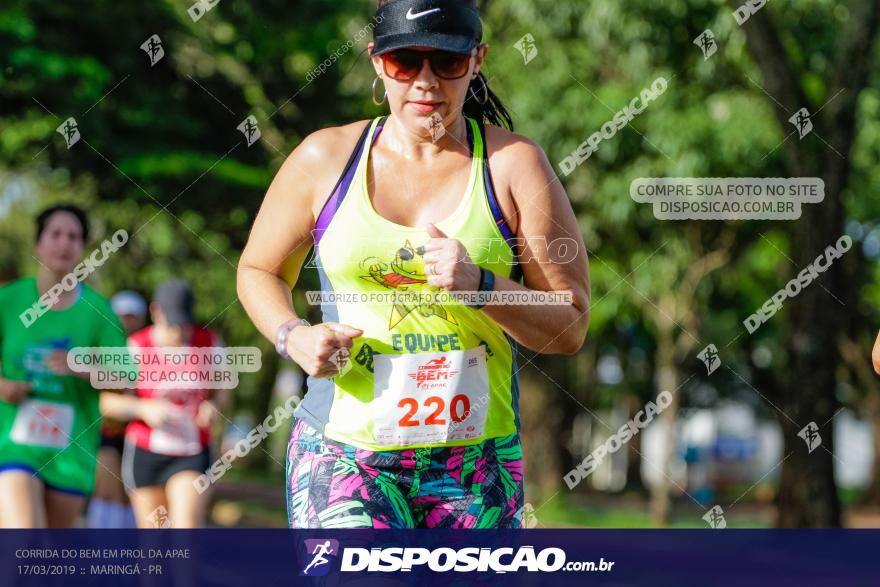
[(448, 264)]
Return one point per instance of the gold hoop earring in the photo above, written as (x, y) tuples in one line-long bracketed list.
[(384, 94)]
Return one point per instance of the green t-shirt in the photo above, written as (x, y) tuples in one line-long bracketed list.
[(55, 432)]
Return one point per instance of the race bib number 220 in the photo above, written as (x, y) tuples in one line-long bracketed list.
[(430, 398)]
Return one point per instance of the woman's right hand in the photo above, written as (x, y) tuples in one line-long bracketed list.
[(156, 412), (318, 349), (14, 392)]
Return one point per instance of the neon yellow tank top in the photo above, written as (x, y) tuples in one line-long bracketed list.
[(360, 253)]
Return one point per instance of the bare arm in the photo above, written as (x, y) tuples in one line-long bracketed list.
[(279, 241), (546, 216), (119, 406), (13, 392), (875, 356), (125, 407), (554, 258)]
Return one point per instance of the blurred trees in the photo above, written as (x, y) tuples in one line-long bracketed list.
[(808, 495), (720, 117), (160, 153)]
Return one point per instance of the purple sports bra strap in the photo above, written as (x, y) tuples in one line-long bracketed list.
[(497, 214), (335, 200)]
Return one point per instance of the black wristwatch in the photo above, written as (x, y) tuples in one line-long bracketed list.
[(487, 283)]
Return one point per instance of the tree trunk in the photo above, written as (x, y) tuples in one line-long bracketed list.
[(667, 380), (807, 492), (567, 406), (634, 481), (539, 399)]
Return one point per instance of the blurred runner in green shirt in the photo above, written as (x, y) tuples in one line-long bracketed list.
[(49, 419)]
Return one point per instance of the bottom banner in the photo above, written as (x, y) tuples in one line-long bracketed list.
[(268, 558)]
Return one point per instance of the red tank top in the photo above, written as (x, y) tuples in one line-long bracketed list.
[(182, 437)]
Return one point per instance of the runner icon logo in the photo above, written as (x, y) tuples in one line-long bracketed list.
[(319, 551), (158, 518), (801, 120), (810, 434), (70, 131), (435, 127), (709, 356), (527, 47), (250, 130), (340, 358), (706, 43), (153, 48), (715, 518)]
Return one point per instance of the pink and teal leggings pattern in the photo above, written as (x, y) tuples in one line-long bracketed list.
[(336, 485)]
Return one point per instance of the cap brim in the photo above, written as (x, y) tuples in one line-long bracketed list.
[(129, 309), (454, 43), (179, 318)]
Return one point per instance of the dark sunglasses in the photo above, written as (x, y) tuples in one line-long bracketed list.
[(404, 65)]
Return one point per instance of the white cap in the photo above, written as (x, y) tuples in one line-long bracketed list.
[(127, 303)]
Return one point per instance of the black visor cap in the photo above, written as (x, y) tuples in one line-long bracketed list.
[(447, 25)]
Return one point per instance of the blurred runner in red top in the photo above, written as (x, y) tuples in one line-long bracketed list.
[(168, 445), (186, 434)]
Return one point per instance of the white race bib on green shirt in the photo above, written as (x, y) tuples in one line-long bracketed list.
[(40, 423)]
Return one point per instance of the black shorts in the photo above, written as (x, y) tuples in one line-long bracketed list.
[(142, 468), (116, 441)]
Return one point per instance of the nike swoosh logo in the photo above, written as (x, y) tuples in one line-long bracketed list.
[(411, 16)]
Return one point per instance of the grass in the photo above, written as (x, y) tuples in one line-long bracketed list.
[(597, 511), (608, 512), (600, 511)]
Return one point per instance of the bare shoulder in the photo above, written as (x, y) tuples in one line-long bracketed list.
[(332, 142), (322, 157), (504, 142), (516, 162)]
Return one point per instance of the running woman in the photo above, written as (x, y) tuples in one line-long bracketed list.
[(109, 506), (49, 418), (168, 447), (420, 426)]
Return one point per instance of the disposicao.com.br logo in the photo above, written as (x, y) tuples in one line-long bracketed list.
[(443, 559)]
